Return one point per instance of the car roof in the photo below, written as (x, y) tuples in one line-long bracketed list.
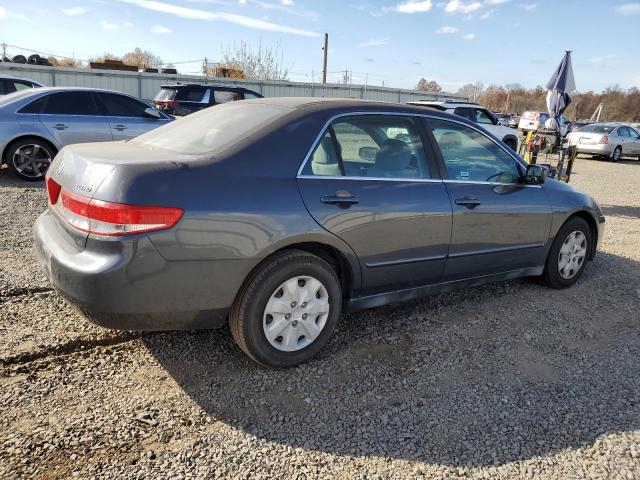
[(444, 103), (182, 85), (11, 77)]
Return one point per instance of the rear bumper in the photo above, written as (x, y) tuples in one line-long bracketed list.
[(597, 149), (126, 284)]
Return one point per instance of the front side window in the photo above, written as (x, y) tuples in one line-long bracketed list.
[(375, 146), (466, 113), (70, 103), (471, 156), (114, 105)]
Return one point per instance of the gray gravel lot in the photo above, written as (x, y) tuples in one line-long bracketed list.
[(502, 381)]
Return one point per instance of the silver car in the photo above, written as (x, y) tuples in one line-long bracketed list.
[(612, 140), (36, 123), (15, 84)]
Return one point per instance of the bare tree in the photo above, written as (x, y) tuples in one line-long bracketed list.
[(265, 63), (104, 56), (65, 62), (142, 58), (425, 85)]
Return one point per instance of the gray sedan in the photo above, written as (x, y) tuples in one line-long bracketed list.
[(36, 123), (279, 214), (609, 140)]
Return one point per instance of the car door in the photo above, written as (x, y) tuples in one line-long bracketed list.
[(370, 181), (499, 224), (126, 115), (634, 142), (73, 117)]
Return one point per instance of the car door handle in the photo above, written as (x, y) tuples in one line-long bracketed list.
[(120, 127), (469, 202), (60, 126), (340, 198)]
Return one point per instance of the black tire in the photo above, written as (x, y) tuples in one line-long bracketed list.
[(551, 275), (616, 154), (246, 315), (30, 174), (19, 59), (512, 144)]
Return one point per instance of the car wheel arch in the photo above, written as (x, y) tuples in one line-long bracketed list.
[(593, 228), (3, 154)]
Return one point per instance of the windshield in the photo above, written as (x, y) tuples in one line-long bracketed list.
[(597, 128), (211, 130)]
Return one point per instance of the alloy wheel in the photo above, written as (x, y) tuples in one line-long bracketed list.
[(31, 160)]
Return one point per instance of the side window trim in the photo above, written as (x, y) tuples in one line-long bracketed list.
[(336, 147)]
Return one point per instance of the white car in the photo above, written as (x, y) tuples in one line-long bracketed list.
[(612, 140), (477, 114), (532, 121)]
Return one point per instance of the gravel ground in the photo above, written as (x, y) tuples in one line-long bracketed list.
[(502, 381)]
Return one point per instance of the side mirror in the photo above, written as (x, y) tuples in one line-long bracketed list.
[(535, 175), (368, 153), (152, 113)]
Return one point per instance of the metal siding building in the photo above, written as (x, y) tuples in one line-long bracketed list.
[(147, 85)]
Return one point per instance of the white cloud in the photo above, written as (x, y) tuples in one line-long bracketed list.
[(496, 2), (459, 6), (196, 14), (160, 30), (447, 29), (3, 13), (374, 42), (127, 24), (628, 9), (287, 2), (469, 36), (528, 7), (488, 14), (414, 7), (109, 25), (74, 11)]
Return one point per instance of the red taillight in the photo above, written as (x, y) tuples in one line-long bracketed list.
[(53, 189), (604, 139), (98, 217), (168, 103)]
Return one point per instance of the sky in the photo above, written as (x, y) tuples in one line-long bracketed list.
[(392, 42)]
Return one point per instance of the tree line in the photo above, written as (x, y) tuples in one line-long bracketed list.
[(618, 104)]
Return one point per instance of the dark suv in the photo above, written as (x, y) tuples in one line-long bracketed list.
[(183, 99)]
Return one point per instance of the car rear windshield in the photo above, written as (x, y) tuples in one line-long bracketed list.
[(211, 130), (597, 129), (165, 95)]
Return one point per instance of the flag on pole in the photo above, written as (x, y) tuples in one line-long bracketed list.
[(559, 86)]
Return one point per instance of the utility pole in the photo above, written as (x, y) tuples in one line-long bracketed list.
[(324, 65), (4, 51)]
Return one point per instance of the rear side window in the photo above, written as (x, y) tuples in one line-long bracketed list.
[(623, 132), (165, 95), (21, 85), (190, 94), (223, 96), (115, 105), (467, 113), (71, 103), (483, 117), (375, 146), (35, 106)]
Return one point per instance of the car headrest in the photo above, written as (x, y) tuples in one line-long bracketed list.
[(325, 153), (450, 140), (393, 155)]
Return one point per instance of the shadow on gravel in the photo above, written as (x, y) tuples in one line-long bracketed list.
[(471, 378), (621, 211), (8, 179)]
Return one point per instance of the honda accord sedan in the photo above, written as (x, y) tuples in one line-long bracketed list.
[(276, 215), (36, 123)]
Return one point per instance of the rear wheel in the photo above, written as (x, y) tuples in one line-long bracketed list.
[(29, 158), (569, 254), (287, 311), (616, 154)]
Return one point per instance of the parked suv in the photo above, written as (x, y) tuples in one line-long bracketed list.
[(477, 114), (183, 99)]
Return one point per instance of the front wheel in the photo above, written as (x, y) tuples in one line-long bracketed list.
[(287, 310), (569, 254)]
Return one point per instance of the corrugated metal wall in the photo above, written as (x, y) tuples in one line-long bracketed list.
[(146, 85)]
